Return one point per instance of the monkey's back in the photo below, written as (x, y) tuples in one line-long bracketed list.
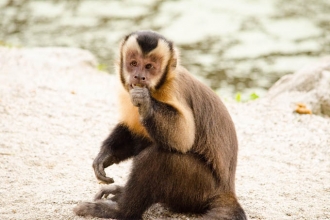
[(215, 139)]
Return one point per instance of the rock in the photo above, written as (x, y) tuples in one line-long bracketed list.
[(310, 85), (55, 57)]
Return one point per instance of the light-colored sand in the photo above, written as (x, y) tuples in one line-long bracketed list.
[(56, 109)]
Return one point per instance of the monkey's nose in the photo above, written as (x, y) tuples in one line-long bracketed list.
[(142, 78)]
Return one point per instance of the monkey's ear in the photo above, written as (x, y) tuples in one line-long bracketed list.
[(174, 62), (175, 58)]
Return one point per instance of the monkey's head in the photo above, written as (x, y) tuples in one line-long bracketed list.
[(147, 59)]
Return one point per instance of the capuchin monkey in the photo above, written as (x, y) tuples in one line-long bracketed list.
[(180, 135)]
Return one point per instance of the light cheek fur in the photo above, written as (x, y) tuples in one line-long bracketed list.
[(126, 48), (129, 114), (162, 52), (182, 135)]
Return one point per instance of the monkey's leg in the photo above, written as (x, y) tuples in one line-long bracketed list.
[(141, 189), (183, 183), (177, 180), (226, 207), (103, 208), (133, 200), (100, 208)]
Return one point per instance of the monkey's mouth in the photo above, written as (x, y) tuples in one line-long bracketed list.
[(137, 85)]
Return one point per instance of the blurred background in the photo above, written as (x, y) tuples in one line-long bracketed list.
[(236, 47)]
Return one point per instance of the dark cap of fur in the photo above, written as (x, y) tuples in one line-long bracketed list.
[(148, 40)]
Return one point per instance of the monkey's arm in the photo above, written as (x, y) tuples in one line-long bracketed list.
[(120, 145), (170, 125)]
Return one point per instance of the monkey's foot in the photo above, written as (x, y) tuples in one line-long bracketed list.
[(101, 209)]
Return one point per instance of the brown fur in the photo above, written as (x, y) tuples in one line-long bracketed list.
[(179, 131)]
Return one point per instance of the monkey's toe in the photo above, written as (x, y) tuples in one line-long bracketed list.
[(101, 209), (85, 208)]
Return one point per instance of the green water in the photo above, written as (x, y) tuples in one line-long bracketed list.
[(233, 46)]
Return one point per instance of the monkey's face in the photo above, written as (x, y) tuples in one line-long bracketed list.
[(141, 70), (145, 60)]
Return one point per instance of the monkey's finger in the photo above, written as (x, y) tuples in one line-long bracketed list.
[(137, 96), (100, 195), (138, 89), (106, 191), (101, 175), (105, 179), (138, 93), (98, 167), (136, 102)]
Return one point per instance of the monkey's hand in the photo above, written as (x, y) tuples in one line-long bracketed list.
[(141, 98), (101, 162)]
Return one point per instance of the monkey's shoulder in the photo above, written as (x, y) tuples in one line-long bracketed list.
[(189, 85)]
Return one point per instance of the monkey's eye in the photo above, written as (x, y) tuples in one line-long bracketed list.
[(133, 63), (148, 66)]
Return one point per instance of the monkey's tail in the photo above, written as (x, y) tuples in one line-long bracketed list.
[(225, 207)]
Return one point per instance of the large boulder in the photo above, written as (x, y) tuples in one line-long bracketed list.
[(310, 85)]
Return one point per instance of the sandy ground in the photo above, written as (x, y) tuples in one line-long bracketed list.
[(56, 109)]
